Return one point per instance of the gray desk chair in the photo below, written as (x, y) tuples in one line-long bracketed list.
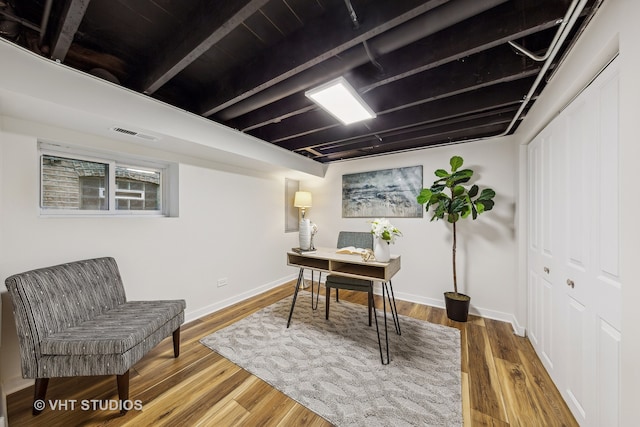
[(359, 240)]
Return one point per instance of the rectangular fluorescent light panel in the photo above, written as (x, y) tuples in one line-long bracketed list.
[(341, 100)]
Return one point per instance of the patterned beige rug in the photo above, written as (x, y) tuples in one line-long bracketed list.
[(333, 366)]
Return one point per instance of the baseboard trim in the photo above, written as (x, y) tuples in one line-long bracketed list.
[(212, 308), (478, 311)]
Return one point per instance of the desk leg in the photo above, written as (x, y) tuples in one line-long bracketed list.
[(392, 306), (295, 294), (387, 295), (386, 335)]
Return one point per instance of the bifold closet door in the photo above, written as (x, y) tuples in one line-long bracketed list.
[(545, 158), (574, 283)]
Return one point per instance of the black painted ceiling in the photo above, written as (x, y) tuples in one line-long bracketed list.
[(435, 72)]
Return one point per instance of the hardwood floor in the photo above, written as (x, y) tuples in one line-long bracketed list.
[(503, 382)]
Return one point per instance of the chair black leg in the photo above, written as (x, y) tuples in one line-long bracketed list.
[(40, 391), (314, 304), (176, 342), (370, 304), (337, 298), (327, 300), (123, 390)]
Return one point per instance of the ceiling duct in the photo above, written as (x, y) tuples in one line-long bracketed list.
[(134, 133)]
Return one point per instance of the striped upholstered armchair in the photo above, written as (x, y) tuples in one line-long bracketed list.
[(74, 320)]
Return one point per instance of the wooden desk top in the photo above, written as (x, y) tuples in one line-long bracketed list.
[(349, 265)]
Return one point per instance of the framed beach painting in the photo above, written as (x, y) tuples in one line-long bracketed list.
[(383, 193)]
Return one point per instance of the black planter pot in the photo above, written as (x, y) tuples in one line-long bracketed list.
[(457, 306)]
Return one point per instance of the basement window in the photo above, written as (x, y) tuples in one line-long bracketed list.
[(77, 183)]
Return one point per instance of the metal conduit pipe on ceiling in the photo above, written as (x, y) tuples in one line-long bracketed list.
[(574, 11), (418, 28), (576, 6), (563, 24)]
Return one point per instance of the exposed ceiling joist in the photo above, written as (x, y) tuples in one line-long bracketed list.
[(69, 23), (211, 25), (435, 71), (312, 45)]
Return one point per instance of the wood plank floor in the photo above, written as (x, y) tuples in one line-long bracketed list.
[(503, 382)]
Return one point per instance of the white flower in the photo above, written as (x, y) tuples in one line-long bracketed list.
[(382, 228)]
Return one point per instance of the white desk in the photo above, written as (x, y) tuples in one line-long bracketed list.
[(326, 260)]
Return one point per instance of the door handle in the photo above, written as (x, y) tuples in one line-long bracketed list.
[(546, 270), (570, 283)]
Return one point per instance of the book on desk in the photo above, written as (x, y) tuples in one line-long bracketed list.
[(303, 251), (351, 250)]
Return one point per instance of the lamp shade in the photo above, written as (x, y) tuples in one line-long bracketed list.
[(302, 199)]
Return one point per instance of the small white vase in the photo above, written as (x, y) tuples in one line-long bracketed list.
[(381, 250), (305, 234)]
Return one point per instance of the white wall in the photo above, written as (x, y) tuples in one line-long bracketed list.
[(487, 255), (231, 225), (183, 257)]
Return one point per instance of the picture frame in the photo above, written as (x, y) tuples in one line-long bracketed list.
[(389, 193)]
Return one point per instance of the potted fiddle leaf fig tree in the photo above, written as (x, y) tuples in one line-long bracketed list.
[(450, 199)]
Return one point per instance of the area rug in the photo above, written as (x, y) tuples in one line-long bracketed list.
[(333, 366)]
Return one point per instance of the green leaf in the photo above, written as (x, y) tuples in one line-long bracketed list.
[(458, 205), (442, 173), (458, 190), (479, 207), (442, 207), (424, 196), (455, 162), (437, 216), (488, 205), (442, 197), (474, 212), (437, 188), (464, 173), (459, 177), (487, 194), (473, 191), (453, 218)]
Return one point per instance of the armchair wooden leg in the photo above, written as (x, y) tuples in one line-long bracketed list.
[(40, 391), (123, 390), (176, 342)]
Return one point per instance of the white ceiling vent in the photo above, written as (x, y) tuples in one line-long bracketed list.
[(134, 133)]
